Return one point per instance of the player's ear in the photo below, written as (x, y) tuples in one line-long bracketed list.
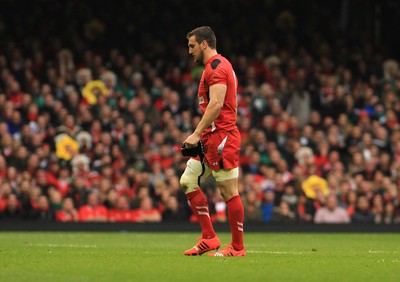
[(203, 44)]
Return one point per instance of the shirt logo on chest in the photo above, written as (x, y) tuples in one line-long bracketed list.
[(201, 100)]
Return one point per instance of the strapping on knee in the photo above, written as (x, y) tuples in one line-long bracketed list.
[(188, 184)]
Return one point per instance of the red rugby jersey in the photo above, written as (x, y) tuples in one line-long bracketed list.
[(218, 70)]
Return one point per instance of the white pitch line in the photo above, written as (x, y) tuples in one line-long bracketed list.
[(279, 252), (63, 245), (375, 252)]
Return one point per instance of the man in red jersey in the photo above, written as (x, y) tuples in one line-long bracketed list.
[(121, 212), (221, 138), (93, 210), (68, 213)]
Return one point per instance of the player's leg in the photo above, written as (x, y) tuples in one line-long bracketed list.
[(199, 205), (227, 180), (222, 154)]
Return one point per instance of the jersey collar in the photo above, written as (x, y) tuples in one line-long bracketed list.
[(212, 59)]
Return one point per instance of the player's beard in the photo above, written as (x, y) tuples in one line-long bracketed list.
[(199, 59)]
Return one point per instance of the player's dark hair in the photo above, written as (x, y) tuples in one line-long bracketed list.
[(204, 33)]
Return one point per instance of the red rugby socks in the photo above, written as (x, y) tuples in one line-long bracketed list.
[(199, 205), (235, 217)]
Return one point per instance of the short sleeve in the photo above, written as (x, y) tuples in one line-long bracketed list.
[(218, 76)]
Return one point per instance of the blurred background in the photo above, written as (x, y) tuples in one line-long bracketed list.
[(97, 96)]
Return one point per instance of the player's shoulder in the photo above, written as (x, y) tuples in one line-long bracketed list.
[(219, 62), (215, 63)]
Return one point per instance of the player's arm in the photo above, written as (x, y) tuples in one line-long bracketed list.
[(217, 98)]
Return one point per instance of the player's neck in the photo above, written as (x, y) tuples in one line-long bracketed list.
[(208, 54)]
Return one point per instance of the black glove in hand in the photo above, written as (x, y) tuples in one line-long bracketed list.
[(193, 151)]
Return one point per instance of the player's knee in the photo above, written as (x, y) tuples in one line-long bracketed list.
[(188, 184), (223, 194), (183, 182)]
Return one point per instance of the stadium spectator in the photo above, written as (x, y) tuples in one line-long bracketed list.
[(12, 210), (218, 202), (172, 210), (93, 210), (146, 212), (283, 214), (252, 207), (305, 209), (378, 209), (290, 197), (68, 213), (351, 202), (121, 212), (55, 200), (362, 213), (268, 205), (3, 167), (64, 181), (41, 210), (390, 215), (331, 212)]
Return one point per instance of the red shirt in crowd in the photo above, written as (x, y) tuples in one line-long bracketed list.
[(3, 204), (116, 215), (89, 213), (144, 215), (64, 216)]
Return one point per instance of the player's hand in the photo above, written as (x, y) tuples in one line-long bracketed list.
[(192, 140)]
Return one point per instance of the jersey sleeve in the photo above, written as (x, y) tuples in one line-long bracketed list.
[(218, 75)]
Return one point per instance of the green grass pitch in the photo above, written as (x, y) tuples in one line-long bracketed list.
[(57, 256)]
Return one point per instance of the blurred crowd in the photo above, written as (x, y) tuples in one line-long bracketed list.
[(96, 136)]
